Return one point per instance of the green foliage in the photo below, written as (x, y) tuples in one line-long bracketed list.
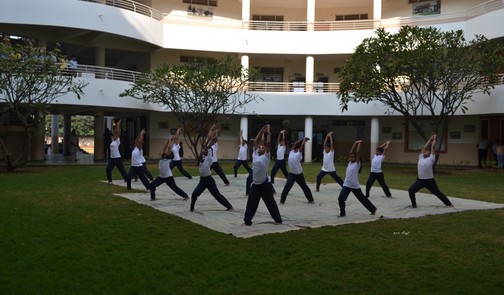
[(84, 125), (198, 93), (421, 72), (31, 78)]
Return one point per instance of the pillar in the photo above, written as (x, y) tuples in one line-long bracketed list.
[(100, 61), (245, 13), (309, 72), (375, 135), (377, 12), (99, 140), (310, 14), (308, 145), (55, 134), (67, 124), (244, 126)]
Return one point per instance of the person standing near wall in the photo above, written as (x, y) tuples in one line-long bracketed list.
[(137, 168), (242, 159), (280, 158), (376, 172), (115, 159), (176, 150), (212, 139), (328, 162), (482, 151)]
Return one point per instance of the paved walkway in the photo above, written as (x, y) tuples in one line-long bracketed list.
[(297, 214)]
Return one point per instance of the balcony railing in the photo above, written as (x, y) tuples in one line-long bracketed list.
[(95, 72), (477, 10)]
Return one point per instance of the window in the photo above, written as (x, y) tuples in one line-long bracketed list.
[(202, 2), (415, 142), (352, 16), (271, 18)]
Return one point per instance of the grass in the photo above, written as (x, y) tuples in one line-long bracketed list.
[(62, 231)]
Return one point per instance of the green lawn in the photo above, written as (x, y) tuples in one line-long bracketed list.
[(62, 231)]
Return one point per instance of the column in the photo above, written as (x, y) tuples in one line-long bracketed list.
[(377, 12), (55, 134), (375, 135), (308, 145), (99, 141), (245, 14), (310, 14), (67, 124), (37, 142), (245, 67), (244, 126), (309, 72)]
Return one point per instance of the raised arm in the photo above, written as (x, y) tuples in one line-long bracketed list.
[(140, 138), (356, 147), (430, 144), (329, 141), (281, 138), (267, 144), (297, 144), (433, 144), (259, 136), (167, 149), (177, 136), (385, 146), (117, 130), (241, 137)]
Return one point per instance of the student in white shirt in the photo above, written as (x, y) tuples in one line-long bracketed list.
[(296, 172), (177, 160), (212, 138), (376, 172), (280, 158), (425, 178), (328, 162), (165, 173), (351, 184), (242, 159), (115, 158), (137, 168), (261, 187)]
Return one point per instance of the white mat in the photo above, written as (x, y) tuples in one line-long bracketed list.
[(296, 213)]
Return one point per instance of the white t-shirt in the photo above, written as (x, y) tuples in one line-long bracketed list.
[(242, 153), (352, 175), (176, 151), (260, 166), (164, 168), (280, 155), (328, 164), (215, 148), (205, 163), (376, 163), (295, 162), (114, 148), (425, 166), (136, 157)]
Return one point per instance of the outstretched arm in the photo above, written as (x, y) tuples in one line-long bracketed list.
[(433, 144), (140, 138), (259, 136), (385, 146), (177, 136), (117, 130), (356, 147), (267, 144), (167, 149), (297, 144), (329, 140), (430, 144), (241, 137), (281, 138), (301, 148)]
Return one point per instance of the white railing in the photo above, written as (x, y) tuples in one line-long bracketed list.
[(132, 6), (95, 72)]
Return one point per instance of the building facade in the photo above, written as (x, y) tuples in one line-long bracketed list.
[(298, 46)]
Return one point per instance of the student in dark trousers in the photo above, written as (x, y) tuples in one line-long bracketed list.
[(280, 158), (207, 181), (351, 183), (212, 139), (261, 187), (242, 159), (177, 160), (426, 161), (165, 173), (376, 172), (328, 162), (137, 168), (115, 158), (296, 172)]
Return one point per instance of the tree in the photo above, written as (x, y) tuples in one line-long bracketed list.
[(198, 93), (422, 73), (31, 78)]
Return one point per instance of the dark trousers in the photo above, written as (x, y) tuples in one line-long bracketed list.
[(381, 180), (332, 174), (170, 182), (279, 164), (482, 156), (178, 164), (146, 172), (115, 162), (218, 169), (299, 179), (431, 185), (343, 196), (262, 191), (137, 171), (239, 163), (249, 184), (208, 182)]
